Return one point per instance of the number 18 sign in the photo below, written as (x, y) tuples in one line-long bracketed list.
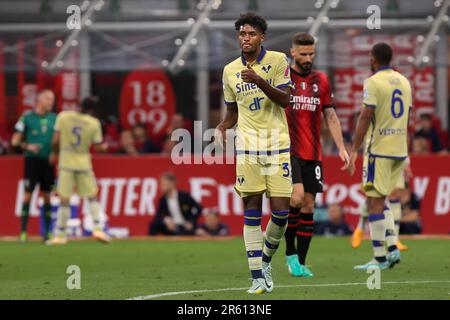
[(147, 97)]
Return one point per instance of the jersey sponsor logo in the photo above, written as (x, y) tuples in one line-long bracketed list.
[(305, 103), (391, 131), (244, 87), (256, 105)]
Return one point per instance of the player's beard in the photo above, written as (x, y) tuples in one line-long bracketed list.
[(304, 67)]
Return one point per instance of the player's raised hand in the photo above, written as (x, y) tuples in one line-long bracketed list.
[(249, 75), (345, 158)]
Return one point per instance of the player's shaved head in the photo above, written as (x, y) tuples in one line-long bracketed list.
[(45, 100), (382, 53)]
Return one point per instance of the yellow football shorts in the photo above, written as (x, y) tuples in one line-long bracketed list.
[(256, 174), (81, 182), (381, 175)]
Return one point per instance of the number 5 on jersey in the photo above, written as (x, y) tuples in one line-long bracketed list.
[(76, 131)]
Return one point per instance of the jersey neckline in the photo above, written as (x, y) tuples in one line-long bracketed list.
[(260, 57)]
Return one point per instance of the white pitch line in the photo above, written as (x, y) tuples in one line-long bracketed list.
[(176, 293)]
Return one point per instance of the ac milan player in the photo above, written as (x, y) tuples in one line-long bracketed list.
[(311, 97)]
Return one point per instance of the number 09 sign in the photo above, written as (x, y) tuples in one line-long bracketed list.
[(147, 97)]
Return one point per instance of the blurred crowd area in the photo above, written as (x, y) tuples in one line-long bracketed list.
[(426, 136)]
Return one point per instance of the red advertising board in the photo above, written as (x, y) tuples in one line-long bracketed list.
[(129, 191)]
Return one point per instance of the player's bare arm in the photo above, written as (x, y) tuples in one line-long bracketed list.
[(334, 126), (16, 140), (101, 147), (230, 120), (55, 142), (364, 120), (55, 147), (280, 96)]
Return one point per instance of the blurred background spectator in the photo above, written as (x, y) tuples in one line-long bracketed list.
[(177, 212), (410, 222), (212, 225), (127, 143), (335, 225), (142, 140), (427, 130), (4, 146), (420, 146)]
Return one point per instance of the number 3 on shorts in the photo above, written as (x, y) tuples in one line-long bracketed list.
[(286, 169)]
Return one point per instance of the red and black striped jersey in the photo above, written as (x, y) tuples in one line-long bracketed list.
[(312, 94)]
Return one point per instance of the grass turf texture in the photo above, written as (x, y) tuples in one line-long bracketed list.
[(132, 268)]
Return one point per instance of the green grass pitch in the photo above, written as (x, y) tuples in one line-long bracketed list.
[(133, 268)]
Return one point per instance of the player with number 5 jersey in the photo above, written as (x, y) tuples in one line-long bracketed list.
[(75, 132)]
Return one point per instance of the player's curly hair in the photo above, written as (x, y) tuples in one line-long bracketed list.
[(252, 19)]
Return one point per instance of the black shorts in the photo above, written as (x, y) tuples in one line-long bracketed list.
[(307, 172), (38, 171)]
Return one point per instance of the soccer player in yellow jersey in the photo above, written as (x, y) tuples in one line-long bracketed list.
[(256, 88), (383, 122), (75, 132)]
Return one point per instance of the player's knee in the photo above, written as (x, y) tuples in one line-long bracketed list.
[(308, 206), (296, 200)]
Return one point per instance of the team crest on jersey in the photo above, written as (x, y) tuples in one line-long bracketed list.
[(303, 85), (266, 68), (240, 179), (315, 87)]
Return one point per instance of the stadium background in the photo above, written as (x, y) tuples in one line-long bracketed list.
[(151, 60)]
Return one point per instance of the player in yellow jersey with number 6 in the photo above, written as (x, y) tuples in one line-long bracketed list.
[(383, 122)]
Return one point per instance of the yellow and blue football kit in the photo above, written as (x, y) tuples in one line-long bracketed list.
[(386, 149), (78, 132), (262, 135)]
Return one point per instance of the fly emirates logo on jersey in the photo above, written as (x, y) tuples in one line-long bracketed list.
[(305, 103)]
